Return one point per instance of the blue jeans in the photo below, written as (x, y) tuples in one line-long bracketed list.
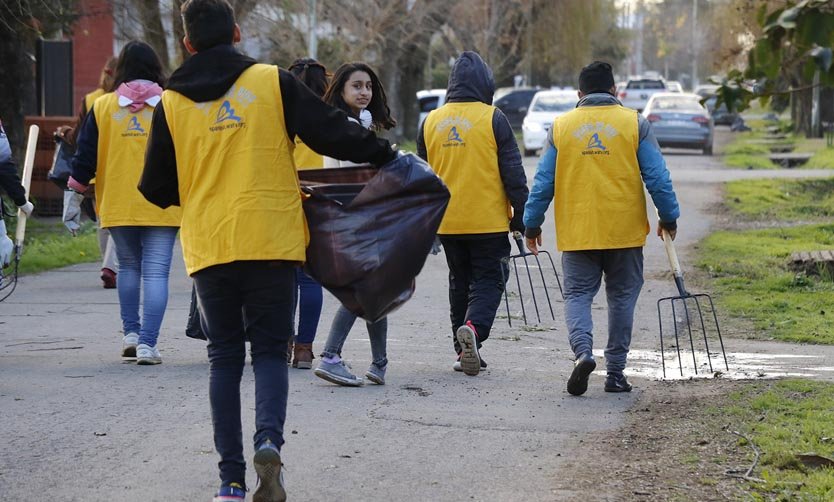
[(583, 270), (342, 322), (309, 307), (144, 264), (239, 301)]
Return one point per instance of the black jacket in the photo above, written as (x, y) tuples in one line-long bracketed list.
[(207, 75), (471, 80)]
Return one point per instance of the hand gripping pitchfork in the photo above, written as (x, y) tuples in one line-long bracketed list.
[(522, 255), (682, 297)]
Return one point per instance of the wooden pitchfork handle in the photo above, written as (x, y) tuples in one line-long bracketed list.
[(673, 262), (26, 181)]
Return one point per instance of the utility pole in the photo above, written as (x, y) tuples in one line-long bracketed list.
[(638, 57), (694, 44), (313, 42)]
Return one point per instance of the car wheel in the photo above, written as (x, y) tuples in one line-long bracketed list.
[(529, 153), (708, 149)]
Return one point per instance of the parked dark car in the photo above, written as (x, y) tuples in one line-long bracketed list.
[(514, 101), (720, 115)]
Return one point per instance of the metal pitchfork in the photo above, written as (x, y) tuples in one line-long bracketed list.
[(682, 297), (522, 254)]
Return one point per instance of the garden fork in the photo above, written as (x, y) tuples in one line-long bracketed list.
[(523, 255), (682, 298)]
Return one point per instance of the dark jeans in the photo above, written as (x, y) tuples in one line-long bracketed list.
[(238, 301), (475, 281), (309, 307)]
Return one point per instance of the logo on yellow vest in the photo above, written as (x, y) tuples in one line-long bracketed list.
[(456, 126), (453, 135), (134, 128), (595, 134), (225, 113)]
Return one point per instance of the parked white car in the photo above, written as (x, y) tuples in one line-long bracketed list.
[(545, 107), (428, 100)]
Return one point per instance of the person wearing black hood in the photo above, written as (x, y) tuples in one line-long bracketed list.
[(221, 148), (471, 146)]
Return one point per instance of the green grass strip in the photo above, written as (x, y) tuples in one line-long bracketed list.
[(48, 245), (784, 200), (751, 280), (784, 419)]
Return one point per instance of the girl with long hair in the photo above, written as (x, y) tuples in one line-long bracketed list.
[(356, 90), (111, 148)]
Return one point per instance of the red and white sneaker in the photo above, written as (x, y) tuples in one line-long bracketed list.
[(470, 359)]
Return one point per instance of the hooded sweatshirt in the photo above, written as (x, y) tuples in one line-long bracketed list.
[(471, 80), (208, 75)]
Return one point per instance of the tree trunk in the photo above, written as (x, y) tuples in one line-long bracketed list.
[(154, 32), (179, 33), (801, 112)]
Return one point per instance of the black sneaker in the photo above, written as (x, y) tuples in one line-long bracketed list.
[(617, 382), (583, 367)]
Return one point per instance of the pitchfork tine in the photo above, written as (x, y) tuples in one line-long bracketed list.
[(704, 329), (518, 243), (689, 329)]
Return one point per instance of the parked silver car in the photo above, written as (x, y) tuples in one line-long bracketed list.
[(679, 120), (637, 92)]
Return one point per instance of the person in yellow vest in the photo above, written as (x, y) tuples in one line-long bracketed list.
[(72, 213), (111, 147), (606, 154), (314, 75), (470, 145), (221, 148)]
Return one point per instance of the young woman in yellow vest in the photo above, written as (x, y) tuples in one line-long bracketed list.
[(470, 145), (356, 90), (314, 76), (72, 213), (111, 148)]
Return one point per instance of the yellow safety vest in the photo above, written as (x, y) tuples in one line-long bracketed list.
[(461, 149), (305, 157), (238, 185), (599, 197), (122, 137), (90, 98)]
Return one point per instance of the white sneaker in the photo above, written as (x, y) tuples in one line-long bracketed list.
[(145, 354), (129, 344)]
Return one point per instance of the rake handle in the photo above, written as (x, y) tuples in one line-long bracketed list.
[(519, 243), (674, 263)]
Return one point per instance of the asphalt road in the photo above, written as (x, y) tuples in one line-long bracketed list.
[(79, 424)]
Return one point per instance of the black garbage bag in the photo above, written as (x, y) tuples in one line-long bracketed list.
[(371, 231), (61, 168), (193, 328)]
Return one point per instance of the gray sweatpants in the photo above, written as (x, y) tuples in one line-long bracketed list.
[(583, 271)]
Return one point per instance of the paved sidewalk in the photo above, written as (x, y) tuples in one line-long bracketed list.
[(78, 424)]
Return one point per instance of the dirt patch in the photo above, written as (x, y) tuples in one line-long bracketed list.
[(675, 446)]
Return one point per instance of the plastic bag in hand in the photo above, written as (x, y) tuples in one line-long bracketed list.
[(72, 211), (6, 245)]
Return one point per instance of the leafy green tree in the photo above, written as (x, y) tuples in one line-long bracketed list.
[(792, 55)]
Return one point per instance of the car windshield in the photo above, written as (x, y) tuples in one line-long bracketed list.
[(645, 84), (554, 103), (428, 104), (682, 104)]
